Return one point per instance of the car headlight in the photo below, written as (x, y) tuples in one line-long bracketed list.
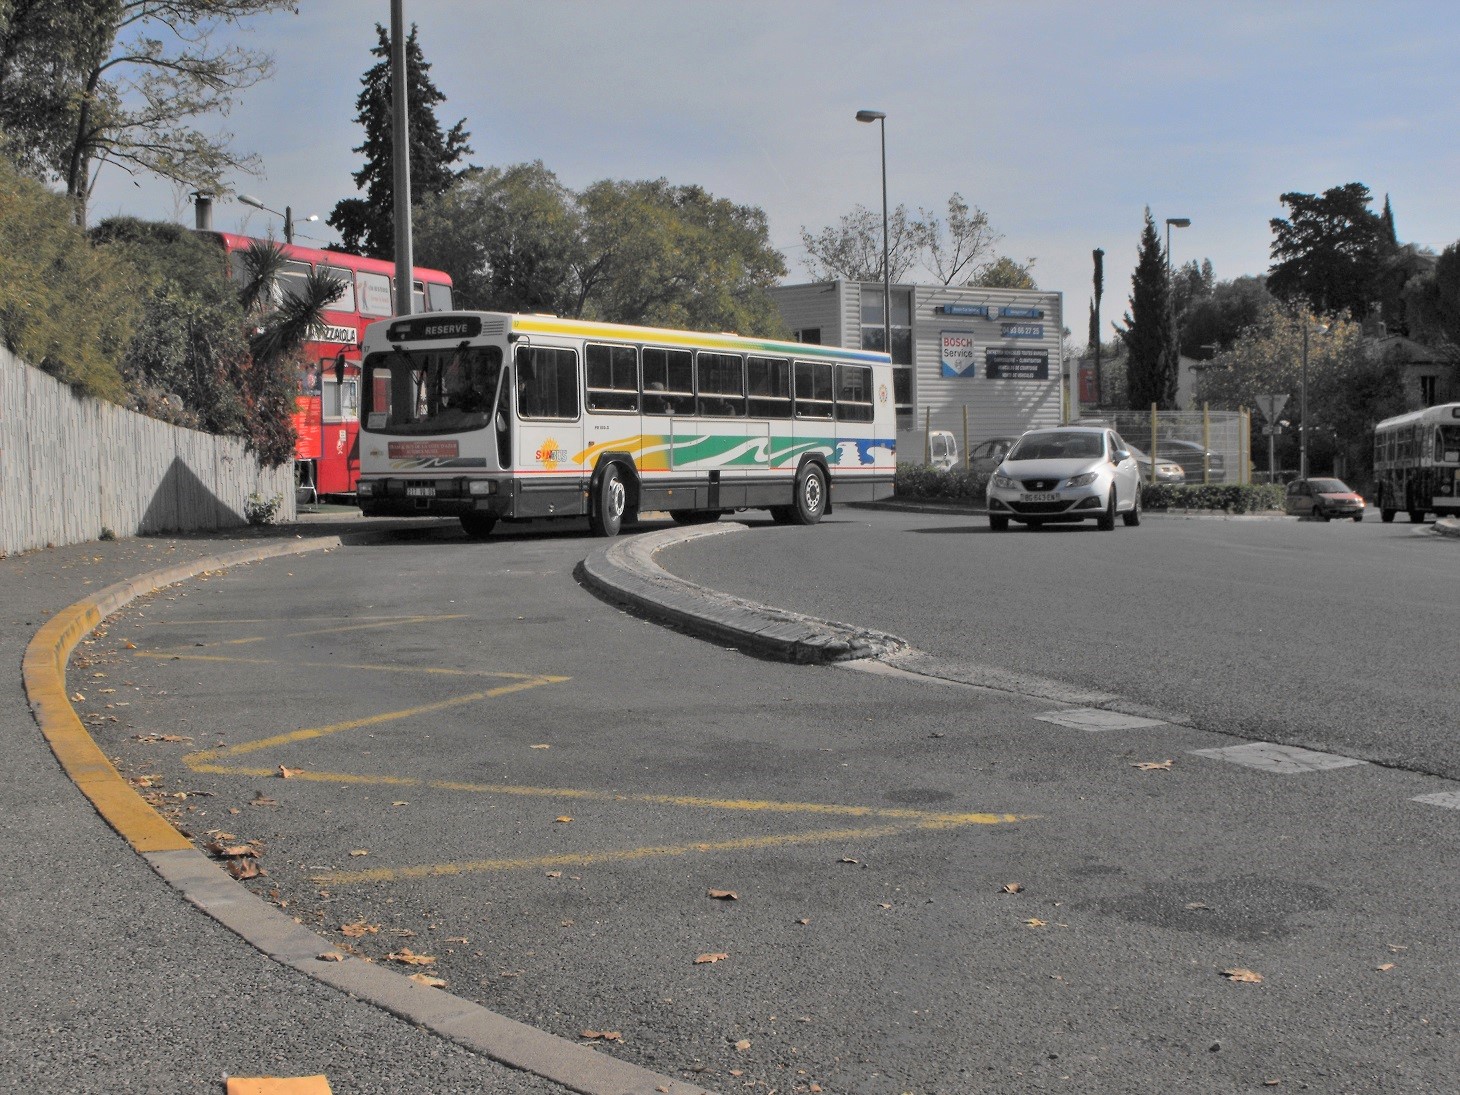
[(1004, 482), (1083, 480)]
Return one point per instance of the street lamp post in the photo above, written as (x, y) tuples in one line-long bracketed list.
[(1319, 329), (881, 118), (288, 215)]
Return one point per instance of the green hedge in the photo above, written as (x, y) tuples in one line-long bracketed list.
[(922, 482), (1228, 497)]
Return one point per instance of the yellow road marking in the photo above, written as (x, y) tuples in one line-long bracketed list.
[(194, 760), (370, 625), (589, 859), (424, 670)]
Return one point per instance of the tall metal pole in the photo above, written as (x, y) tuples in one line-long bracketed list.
[(1303, 409), (886, 265), (401, 147)]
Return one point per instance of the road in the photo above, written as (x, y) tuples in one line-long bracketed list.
[(449, 749)]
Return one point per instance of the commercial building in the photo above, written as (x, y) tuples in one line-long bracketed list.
[(992, 358)]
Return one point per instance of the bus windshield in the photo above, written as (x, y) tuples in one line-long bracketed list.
[(432, 391), (1447, 444)]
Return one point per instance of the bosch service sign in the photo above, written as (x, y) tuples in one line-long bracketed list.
[(959, 356)]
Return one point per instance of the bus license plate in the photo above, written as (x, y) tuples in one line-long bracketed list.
[(1041, 496), (420, 492)]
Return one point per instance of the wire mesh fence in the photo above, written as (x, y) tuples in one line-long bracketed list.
[(1209, 446)]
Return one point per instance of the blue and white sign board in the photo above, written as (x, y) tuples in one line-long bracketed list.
[(1022, 330), (959, 356), (983, 310)]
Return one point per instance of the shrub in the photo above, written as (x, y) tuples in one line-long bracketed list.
[(1227, 497), (925, 481)]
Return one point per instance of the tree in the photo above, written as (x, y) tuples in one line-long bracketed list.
[(957, 247), (1007, 273), (1149, 333), (852, 248), (1350, 387), (676, 256), (270, 377), (1330, 251), (86, 83), (510, 239), (183, 362), (1213, 322), (65, 307), (950, 250), (367, 225), (1432, 302)]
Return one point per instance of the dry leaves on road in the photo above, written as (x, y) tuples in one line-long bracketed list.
[(329, 956), (1035, 922), (407, 957), (1012, 887), (602, 1035), (288, 773), (706, 959), (427, 980), (1244, 976), (562, 820), (358, 929), (1154, 765), (723, 895)]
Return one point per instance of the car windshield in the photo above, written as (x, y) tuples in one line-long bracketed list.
[(1329, 486), (1057, 446)]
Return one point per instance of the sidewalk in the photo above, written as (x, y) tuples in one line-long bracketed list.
[(112, 981)]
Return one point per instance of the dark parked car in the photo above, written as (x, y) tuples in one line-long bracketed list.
[(1323, 499), (1189, 454)]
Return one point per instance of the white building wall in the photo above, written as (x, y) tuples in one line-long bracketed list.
[(998, 402), (1018, 332)]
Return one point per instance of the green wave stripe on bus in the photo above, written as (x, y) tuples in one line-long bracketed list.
[(662, 452)]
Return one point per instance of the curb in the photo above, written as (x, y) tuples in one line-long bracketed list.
[(209, 888), (624, 572)]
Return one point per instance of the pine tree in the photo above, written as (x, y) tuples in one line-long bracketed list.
[(367, 225), (1150, 327)]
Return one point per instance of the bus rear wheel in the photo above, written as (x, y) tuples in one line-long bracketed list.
[(1387, 515), (478, 526), (1416, 516), (606, 515), (810, 495)]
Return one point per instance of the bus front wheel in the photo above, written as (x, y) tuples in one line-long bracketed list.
[(478, 526), (810, 495), (610, 501), (1387, 515)]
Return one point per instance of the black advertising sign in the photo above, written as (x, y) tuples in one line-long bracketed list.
[(1004, 364)]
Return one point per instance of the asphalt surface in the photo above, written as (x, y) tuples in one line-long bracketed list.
[(112, 982), (117, 984)]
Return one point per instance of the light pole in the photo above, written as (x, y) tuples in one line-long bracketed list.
[(1173, 222), (288, 215), (1319, 329), (881, 118)]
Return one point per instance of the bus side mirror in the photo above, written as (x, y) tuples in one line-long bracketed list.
[(340, 369)]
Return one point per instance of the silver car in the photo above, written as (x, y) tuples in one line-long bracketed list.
[(1067, 473)]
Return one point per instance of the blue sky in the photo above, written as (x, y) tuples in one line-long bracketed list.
[(1061, 119)]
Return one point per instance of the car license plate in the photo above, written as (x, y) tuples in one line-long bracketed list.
[(1041, 496), (420, 492)]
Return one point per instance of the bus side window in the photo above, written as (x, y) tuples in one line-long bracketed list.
[(438, 297), (814, 396), (548, 386)]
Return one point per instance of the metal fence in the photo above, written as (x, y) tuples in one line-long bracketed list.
[(74, 469), (1184, 436)]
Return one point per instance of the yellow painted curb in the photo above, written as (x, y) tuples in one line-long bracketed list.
[(43, 671)]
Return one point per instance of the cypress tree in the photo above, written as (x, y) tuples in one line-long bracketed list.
[(367, 225), (1150, 327)]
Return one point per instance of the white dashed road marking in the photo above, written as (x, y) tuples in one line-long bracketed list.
[(1282, 760), (1448, 799), (1095, 718)]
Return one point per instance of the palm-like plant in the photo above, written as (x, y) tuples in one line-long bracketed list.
[(283, 323)]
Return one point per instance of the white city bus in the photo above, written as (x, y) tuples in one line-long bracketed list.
[(486, 416), (1417, 463)]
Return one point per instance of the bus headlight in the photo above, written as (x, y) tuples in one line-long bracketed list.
[(364, 489), (478, 487)]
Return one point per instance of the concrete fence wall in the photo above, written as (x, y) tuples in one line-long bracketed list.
[(73, 468)]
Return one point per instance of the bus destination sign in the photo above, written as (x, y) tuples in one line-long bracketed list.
[(418, 328)]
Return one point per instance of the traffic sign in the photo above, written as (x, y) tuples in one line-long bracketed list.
[(1271, 406)]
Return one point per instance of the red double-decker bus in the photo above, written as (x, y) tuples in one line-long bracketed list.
[(327, 415)]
